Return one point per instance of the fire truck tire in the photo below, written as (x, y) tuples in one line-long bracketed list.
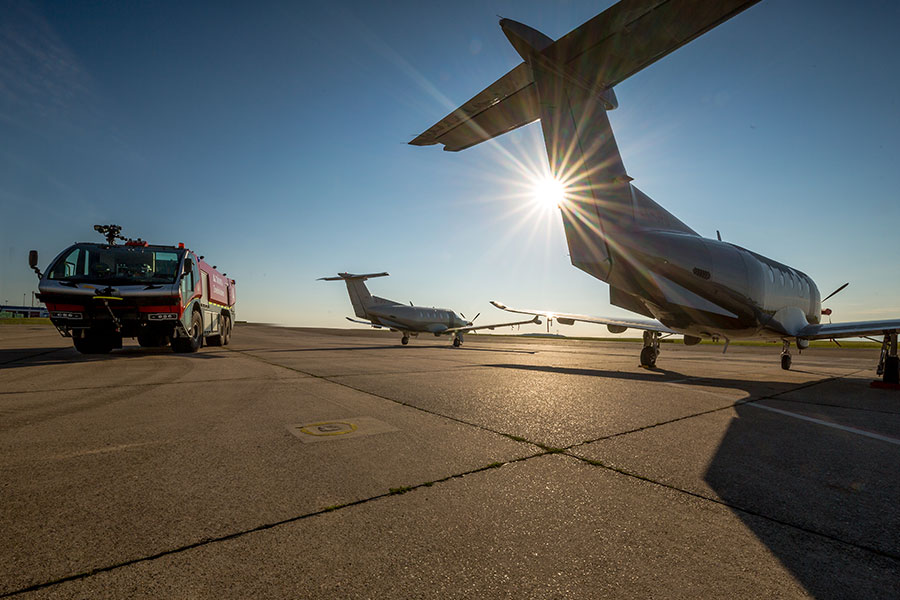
[(93, 344), (192, 343), (219, 338)]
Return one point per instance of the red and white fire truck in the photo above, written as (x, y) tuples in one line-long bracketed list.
[(98, 294)]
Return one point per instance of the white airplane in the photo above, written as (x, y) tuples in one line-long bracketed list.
[(408, 320), (655, 264)]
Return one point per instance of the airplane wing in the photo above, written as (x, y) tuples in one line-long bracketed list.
[(375, 325), (451, 330), (616, 325), (828, 331)]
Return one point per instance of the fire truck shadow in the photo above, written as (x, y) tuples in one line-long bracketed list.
[(15, 358)]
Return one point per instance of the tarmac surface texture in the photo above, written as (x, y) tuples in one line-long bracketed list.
[(309, 463)]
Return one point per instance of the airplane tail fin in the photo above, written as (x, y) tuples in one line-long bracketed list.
[(360, 297), (568, 85)]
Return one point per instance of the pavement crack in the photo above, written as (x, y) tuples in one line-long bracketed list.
[(394, 491)]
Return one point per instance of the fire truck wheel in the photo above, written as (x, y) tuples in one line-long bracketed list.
[(192, 343), (93, 344)]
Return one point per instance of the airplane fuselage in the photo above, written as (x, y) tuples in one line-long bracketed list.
[(417, 319), (706, 288)]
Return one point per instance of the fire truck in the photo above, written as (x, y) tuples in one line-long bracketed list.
[(99, 293)]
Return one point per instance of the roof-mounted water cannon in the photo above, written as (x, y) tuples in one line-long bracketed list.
[(111, 233)]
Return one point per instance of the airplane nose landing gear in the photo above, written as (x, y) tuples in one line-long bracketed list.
[(404, 340), (786, 355), (650, 351), (889, 362)]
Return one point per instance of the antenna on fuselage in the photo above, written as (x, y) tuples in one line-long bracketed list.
[(718, 235)]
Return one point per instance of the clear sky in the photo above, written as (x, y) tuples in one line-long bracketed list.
[(272, 138)]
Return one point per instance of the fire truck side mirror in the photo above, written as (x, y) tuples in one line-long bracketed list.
[(188, 266), (33, 261)]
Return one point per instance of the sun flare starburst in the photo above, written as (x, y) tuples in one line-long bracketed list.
[(548, 192)]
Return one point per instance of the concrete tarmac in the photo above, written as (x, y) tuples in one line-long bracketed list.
[(304, 463)]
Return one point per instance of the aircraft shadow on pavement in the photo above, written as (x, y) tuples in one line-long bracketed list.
[(397, 347), (821, 500), (34, 357), (774, 471)]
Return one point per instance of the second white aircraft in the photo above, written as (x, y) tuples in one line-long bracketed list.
[(409, 320)]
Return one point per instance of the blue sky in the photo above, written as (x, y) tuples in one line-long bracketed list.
[(272, 138)]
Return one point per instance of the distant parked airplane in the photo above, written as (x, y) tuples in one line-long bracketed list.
[(655, 265), (407, 319)]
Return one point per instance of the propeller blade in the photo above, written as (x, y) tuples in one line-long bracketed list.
[(835, 292), (475, 317)]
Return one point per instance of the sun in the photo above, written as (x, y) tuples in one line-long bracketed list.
[(548, 192)]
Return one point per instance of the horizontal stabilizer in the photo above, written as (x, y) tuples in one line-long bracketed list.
[(375, 325), (350, 276), (506, 104)]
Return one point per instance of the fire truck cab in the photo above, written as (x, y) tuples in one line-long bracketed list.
[(98, 294)]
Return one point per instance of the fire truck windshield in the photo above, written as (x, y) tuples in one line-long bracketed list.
[(123, 265)]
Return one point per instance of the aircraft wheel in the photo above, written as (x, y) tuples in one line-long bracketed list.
[(892, 369), (404, 340), (786, 361), (648, 357), (457, 342)]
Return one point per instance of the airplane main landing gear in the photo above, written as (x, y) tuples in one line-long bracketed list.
[(786, 355), (650, 351), (889, 362), (457, 341), (404, 340)]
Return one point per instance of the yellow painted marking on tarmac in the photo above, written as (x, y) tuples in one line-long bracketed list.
[(326, 428)]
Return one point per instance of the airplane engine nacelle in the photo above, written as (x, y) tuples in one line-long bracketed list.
[(616, 328), (690, 340)]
